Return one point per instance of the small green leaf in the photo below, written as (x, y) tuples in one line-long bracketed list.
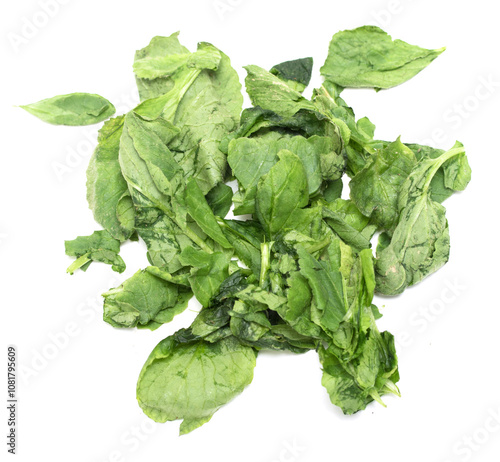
[(72, 109), (281, 192), (144, 300), (99, 246)]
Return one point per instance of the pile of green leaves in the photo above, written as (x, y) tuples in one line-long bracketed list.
[(296, 272)]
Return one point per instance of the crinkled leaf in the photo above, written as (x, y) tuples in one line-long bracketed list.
[(99, 246), (159, 47), (270, 92), (144, 300), (375, 188)]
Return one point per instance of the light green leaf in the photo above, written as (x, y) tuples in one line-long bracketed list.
[(367, 57), (191, 381), (270, 92), (72, 109), (208, 111), (159, 47)]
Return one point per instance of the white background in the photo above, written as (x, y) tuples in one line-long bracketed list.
[(77, 390)]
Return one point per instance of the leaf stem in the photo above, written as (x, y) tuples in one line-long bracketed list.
[(265, 261), (78, 263), (440, 161)]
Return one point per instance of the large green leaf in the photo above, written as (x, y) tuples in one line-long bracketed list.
[(170, 382), (367, 57), (208, 111), (420, 243)]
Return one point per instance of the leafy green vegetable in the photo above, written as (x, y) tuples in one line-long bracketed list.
[(296, 73), (107, 190), (360, 364), (72, 109), (220, 199), (200, 211), (368, 57), (159, 47), (207, 273), (420, 243), (144, 300), (375, 189), (297, 272), (326, 286), (209, 110), (99, 246), (170, 382), (269, 92), (280, 193), (349, 223)]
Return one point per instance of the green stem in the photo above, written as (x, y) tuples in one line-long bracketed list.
[(197, 240), (440, 161), (265, 261), (78, 263), (311, 248), (188, 231)]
